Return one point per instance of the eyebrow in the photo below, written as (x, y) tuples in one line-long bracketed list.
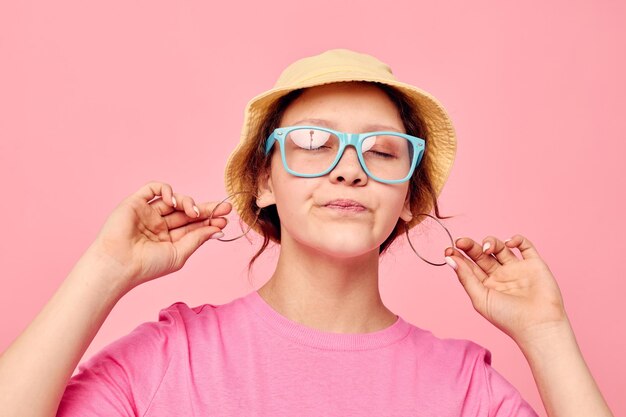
[(329, 125)]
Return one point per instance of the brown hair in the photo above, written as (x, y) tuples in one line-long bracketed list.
[(422, 196)]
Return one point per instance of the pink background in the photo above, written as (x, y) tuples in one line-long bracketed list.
[(98, 98)]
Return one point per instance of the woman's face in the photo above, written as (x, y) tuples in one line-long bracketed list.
[(308, 216)]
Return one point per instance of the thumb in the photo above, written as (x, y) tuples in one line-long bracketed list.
[(471, 283), (189, 243)]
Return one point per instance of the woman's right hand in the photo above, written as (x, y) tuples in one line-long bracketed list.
[(146, 237)]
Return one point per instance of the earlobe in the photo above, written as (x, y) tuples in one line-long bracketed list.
[(406, 214), (265, 194)]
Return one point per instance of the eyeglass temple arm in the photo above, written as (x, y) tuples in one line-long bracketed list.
[(269, 143)]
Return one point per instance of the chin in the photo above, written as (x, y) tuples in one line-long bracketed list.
[(347, 247), (337, 241)]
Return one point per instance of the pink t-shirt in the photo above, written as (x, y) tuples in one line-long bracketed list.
[(244, 358)]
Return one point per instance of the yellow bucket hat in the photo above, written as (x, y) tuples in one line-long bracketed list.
[(338, 65)]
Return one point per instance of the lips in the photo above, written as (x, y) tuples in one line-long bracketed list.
[(345, 204)]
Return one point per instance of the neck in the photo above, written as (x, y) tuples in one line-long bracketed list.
[(338, 295)]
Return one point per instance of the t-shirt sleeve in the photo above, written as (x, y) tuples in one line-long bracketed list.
[(504, 399), (123, 377)]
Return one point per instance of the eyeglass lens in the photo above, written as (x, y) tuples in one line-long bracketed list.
[(312, 151), (235, 227), (430, 238)]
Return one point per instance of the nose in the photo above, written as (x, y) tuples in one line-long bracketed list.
[(348, 170)]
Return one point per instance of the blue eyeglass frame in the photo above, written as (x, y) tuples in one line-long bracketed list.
[(346, 139)]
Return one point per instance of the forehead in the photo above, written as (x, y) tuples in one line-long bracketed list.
[(344, 106)]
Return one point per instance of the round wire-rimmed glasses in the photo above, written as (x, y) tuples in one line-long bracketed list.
[(240, 221), (406, 231)]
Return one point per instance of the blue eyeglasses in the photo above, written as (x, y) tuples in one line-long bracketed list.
[(312, 151)]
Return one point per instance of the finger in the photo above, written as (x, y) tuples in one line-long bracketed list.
[(525, 246), (218, 208), (154, 189), (494, 246), (486, 262), (187, 205), (168, 196), (179, 219), (220, 222), (206, 210), (482, 276), (162, 207), (477, 292), (190, 242), (186, 209), (179, 232)]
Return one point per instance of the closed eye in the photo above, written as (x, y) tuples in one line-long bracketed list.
[(381, 154), (309, 138)]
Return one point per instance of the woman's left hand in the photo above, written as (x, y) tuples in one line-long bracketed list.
[(519, 296)]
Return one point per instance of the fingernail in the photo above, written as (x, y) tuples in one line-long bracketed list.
[(486, 246), (217, 235), (174, 201), (451, 262), (508, 240), (196, 210)]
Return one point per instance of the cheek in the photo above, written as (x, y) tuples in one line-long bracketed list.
[(290, 193), (397, 196), (395, 203)]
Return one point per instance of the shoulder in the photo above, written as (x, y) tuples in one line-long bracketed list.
[(181, 314), (185, 319), (172, 320), (448, 351), (448, 362), (159, 338), (127, 373), (464, 366)]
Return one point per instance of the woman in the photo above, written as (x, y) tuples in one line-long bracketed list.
[(316, 339)]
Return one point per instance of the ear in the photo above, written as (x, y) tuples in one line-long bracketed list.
[(265, 193), (406, 213)]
